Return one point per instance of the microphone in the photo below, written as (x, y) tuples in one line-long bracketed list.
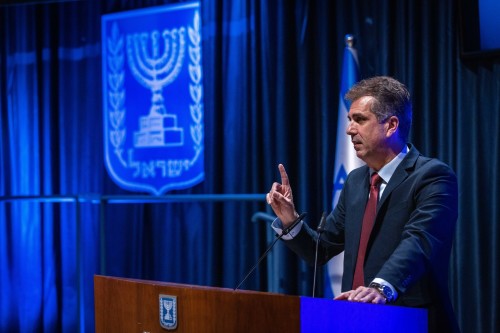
[(286, 231), (319, 230), (293, 225), (322, 223)]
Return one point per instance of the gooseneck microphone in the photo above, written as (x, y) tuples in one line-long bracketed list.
[(319, 230), (286, 231)]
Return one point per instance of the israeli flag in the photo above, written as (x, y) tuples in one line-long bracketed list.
[(345, 158)]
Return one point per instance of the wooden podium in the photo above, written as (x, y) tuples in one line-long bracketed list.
[(128, 305)]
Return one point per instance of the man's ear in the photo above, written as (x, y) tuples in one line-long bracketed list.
[(392, 125)]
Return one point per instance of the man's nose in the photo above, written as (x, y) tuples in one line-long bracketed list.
[(350, 130)]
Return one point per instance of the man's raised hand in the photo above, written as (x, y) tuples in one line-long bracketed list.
[(280, 198)]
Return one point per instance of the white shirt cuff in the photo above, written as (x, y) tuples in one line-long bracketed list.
[(278, 228), (385, 283)]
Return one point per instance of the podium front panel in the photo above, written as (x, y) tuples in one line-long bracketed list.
[(324, 315)]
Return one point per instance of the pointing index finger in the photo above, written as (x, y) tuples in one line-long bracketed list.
[(284, 175)]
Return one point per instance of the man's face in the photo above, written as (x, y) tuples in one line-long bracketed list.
[(368, 136)]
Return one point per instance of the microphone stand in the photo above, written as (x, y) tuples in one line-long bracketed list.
[(285, 232), (319, 230)]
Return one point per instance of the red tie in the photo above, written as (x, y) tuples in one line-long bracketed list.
[(366, 229)]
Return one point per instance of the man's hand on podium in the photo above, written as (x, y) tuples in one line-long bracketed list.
[(363, 295)]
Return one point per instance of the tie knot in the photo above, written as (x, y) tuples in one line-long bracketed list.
[(375, 179)]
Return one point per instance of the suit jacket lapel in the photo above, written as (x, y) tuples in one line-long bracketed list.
[(400, 174)]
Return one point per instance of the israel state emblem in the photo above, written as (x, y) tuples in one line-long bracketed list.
[(168, 312), (152, 98)]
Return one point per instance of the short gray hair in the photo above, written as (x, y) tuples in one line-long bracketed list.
[(391, 98)]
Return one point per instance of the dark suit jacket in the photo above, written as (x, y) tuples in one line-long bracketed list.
[(411, 240)]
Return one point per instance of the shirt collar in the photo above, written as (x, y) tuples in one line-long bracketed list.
[(388, 170)]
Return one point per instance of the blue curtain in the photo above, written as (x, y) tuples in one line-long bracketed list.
[(271, 75)]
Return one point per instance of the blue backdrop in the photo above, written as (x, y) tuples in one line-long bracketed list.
[(271, 82)]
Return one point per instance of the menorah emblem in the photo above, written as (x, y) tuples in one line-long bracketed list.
[(153, 99), (168, 311), (155, 70), (168, 306)]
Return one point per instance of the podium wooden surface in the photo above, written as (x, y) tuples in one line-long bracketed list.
[(128, 305)]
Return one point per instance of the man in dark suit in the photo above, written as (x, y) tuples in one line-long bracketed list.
[(399, 253)]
